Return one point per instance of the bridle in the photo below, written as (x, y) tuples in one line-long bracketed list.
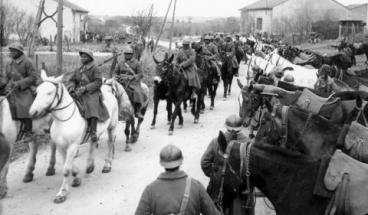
[(59, 99), (244, 160)]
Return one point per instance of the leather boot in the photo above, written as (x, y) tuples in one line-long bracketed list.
[(93, 126), (28, 134)]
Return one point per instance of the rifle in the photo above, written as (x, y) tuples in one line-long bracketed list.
[(109, 59)]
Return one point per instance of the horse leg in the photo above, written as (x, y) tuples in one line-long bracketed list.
[(111, 148), (181, 119), (155, 107), (169, 111), (185, 105), (225, 89), (197, 105), (51, 168), (33, 147), (3, 180), (61, 195), (137, 130), (175, 113), (77, 181), (91, 160), (127, 135), (133, 138)]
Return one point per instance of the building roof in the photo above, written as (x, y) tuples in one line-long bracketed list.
[(73, 6), (352, 6), (263, 4)]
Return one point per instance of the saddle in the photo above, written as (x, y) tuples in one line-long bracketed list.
[(348, 178), (356, 142), (313, 103)]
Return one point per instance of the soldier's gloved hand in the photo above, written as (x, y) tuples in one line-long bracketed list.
[(15, 85), (80, 91)]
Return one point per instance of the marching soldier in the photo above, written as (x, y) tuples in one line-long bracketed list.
[(186, 61), (129, 73), (174, 192), (211, 164), (85, 87), (20, 80)]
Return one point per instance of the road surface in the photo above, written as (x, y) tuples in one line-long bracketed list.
[(118, 192)]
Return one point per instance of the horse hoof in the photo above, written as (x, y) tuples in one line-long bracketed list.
[(168, 122), (128, 148), (180, 126), (90, 169), (28, 178), (50, 172), (171, 133), (153, 127), (76, 182), (59, 199), (106, 169), (196, 121), (133, 140), (201, 112), (211, 108)]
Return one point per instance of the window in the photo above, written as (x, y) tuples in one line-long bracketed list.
[(259, 24)]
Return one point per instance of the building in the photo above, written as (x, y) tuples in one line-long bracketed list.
[(74, 17), (359, 12), (288, 16)]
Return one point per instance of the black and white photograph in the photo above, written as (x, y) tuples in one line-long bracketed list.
[(184, 107)]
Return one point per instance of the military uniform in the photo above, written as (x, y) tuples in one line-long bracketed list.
[(164, 196), (133, 87), (90, 77), (186, 59), (229, 51), (239, 51), (211, 50), (22, 72)]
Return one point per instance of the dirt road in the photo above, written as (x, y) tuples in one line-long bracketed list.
[(119, 191)]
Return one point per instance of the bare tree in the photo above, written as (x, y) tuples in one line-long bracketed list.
[(143, 20), (23, 26)]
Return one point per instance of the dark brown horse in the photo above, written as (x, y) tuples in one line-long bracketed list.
[(178, 92), (160, 89), (227, 74), (286, 178), (209, 75)]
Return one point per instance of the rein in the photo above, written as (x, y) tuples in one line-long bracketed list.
[(7, 95), (59, 98)]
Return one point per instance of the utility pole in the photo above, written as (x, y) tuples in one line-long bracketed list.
[(172, 27), (2, 20), (59, 49), (35, 28), (163, 25)]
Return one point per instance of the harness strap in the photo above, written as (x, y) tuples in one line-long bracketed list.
[(361, 114), (284, 128), (340, 202), (184, 202)]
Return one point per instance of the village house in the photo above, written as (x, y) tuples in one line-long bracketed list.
[(359, 12), (276, 16), (74, 17)]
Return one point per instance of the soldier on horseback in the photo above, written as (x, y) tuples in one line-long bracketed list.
[(229, 52), (19, 81), (239, 51), (212, 53), (85, 87), (129, 73), (186, 62)]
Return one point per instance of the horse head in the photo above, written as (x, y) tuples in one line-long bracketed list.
[(48, 96), (250, 101), (163, 67)]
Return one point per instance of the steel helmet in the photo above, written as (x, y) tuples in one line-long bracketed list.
[(87, 52), (289, 78), (171, 157), (17, 46), (233, 123), (128, 50)]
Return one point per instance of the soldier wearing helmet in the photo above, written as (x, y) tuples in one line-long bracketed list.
[(211, 51), (20, 79), (324, 82), (186, 61), (85, 86), (129, 73), (174, 192), (210, 160)]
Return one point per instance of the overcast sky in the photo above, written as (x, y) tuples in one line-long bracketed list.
[(207, 8)]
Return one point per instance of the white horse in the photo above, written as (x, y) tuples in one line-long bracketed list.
[(304, 77), (69, 127), (10, 129), (126, 111)]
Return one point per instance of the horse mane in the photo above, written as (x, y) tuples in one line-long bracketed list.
[(281, 155)]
